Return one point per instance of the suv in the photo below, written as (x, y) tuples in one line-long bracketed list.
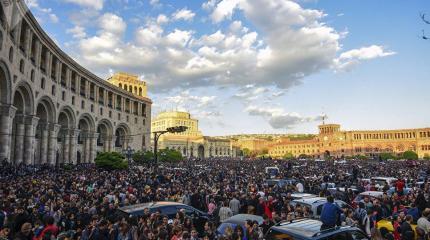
[(316, 204), (308, 229), (168, 209)]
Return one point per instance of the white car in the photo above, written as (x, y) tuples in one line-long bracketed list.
[(316, 204)]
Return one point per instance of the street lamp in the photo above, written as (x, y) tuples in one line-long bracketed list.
[(128, 153), (157, 135)]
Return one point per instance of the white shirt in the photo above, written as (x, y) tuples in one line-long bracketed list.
[(424, 224), (300, 187)]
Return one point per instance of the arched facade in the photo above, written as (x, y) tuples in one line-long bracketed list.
[(54, 111)]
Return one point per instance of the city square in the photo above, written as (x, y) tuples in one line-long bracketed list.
[(217, 119)]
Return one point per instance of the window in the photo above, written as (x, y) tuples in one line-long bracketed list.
[(127, 118), (42, 83), (101, 111), (32, 75), (11, 54), (110, 114), (135, 120), (119, 116), (92, 107), (53, 90), (83, 104), (73, 100), (63, 95)]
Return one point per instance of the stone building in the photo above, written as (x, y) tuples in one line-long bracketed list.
[(190, 143), (52, 110), (332, 141)]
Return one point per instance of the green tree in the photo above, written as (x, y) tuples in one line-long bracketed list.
[(141, 157), (361, 157), (426, 156), (111, 161), (410, 155), (246, 152), (169, 155), (288, 156), (304, 156), (386, 156)]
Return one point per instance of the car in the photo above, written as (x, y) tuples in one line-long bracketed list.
[(381, 181), (370, 194), (239, 219), (316, 204), (275, 182), (166, 208), (272, 171), (310, 229), (302, 195)]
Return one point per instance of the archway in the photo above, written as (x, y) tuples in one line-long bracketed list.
[(7, 114), (78, 157), (5, 84), (104, 138), (45, 111), (122, 134), (201, 152), (22, 144), (86, 139)]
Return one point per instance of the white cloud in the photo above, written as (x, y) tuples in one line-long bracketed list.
[(278, 118), (95, 4), (162, 19), (77, 32), (351, 58), (53, 18), (224, 9), (112, 23), (209, 5), (183, 14)]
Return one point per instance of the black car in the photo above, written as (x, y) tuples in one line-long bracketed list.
[(309, 229), (168, 209)]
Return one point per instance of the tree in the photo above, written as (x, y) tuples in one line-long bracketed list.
[(246, 152), (426, 156), (386, 156), (169, 155), (361, 157), (288, 156), (304, 156), (141, 157), (111, 161), (410, 155)]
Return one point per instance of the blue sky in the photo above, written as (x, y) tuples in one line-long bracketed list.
[(259, 66)]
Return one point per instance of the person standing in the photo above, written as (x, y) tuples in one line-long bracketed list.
[(423, 221), (406, 229), (234, 205), (224, 212), (330, 214)]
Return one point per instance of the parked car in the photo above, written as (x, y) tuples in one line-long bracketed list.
[(239, 219), (316, 204), (370, 194), (309, 229), (168, 209)]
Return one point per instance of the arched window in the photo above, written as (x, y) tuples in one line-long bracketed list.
[(120, 85), (21, 66), (135, 90), (130, 89), (125, 87), (42, 83), (11, 54), (32, 75), (140, 91)]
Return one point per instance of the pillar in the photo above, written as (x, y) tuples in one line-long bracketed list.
[(72, 145), (93, 147), (52, 143), (6, 119), (66, 143), (19, 139), (30, 126), (43, 159), (87, 149)]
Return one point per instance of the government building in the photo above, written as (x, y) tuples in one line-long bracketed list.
[(332, 141), (54, 111), (190, 143)]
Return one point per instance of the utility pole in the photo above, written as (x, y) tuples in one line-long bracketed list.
[(157, 135)]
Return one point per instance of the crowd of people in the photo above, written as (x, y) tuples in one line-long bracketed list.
[(81, 202)]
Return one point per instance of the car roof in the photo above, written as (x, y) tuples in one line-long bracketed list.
[(310, 200), (372, 193), (308, 228), (240, 219), (301, 227), (303, 195), (141, 206), (383, 178)]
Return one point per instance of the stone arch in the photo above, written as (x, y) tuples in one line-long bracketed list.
[(105, 133), (86, 137), (201, 152), (122, 134), (5, 84), (23, 98), (45, 110), (67, 116)]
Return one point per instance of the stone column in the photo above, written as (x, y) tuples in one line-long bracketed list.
[(52, 143), (6, 119), (30, 126), (66, 143), (43, 159), (19, 139), (72, 145), (87, 147), (93, 148)]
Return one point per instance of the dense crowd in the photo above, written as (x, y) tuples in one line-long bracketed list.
[(44, 202)]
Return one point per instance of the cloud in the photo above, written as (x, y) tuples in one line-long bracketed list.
[(183, 14), (95, 4), (283, 44), (250, 92), (278, 118), (77, 32), (351, 58)]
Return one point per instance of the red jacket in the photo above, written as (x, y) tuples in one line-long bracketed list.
[(50, 228)]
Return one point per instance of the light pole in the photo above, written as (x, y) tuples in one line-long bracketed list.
[(157, 135)]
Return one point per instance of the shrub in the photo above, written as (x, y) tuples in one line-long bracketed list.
[(410, 155), (111, 161), (142, 158)]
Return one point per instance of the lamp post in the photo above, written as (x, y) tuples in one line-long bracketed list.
[(157, 135), (128, 153)]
